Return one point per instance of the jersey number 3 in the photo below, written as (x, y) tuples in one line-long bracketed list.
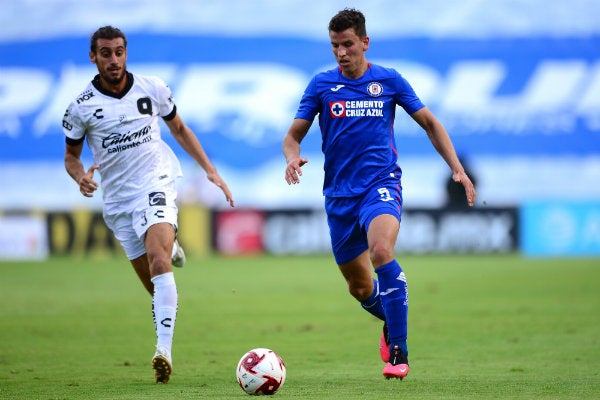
[(384, 194)]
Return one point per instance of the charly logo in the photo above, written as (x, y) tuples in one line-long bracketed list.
[(375, 89)]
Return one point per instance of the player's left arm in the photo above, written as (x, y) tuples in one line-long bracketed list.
[(443, 144), (190, 143)]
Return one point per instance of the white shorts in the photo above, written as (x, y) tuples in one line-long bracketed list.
[(130, 220)]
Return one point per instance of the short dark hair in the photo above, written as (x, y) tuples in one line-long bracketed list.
[(106, 32), (349, 18)]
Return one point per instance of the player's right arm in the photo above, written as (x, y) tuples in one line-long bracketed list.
[(74, 130), (291, 149), (74, 166)]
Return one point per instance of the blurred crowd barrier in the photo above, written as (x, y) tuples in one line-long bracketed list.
[(537, 229)]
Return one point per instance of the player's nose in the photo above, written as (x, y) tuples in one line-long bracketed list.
[(114, 59)]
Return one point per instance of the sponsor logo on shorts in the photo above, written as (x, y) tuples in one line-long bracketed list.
[(157, 199)]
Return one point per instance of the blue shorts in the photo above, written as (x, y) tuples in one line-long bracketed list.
[(349, 217)]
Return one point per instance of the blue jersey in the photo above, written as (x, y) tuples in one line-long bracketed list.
[(356, 117)]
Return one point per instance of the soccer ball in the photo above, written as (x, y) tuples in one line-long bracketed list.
[(260, 371)]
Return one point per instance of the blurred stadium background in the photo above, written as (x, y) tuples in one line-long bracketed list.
[(516, 82)]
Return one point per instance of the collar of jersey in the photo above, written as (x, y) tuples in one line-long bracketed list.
[(121, 94), (354, 79)]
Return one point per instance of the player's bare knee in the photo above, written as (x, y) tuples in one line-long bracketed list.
[(159, 264), (380, 254)]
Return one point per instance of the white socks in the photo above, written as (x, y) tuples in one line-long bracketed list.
[(164, 309)]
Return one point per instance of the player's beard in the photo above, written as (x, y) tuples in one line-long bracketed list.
[(114, 80)]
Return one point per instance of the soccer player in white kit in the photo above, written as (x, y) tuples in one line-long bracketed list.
[(118, 115)]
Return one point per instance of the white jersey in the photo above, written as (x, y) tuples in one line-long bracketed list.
[(123, 134)]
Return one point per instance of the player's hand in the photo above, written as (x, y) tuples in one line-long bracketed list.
[(293, 171), (217, 180), (463, 179), (87, 184)]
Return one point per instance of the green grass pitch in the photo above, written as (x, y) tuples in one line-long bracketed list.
[(480, 327)]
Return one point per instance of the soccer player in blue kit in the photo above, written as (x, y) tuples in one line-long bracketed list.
[(356, 104)]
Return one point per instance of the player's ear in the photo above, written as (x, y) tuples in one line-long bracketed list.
[(365, 43), (93, 57)]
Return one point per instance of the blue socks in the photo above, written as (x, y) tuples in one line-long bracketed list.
[(393, 296), (373, 303)]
